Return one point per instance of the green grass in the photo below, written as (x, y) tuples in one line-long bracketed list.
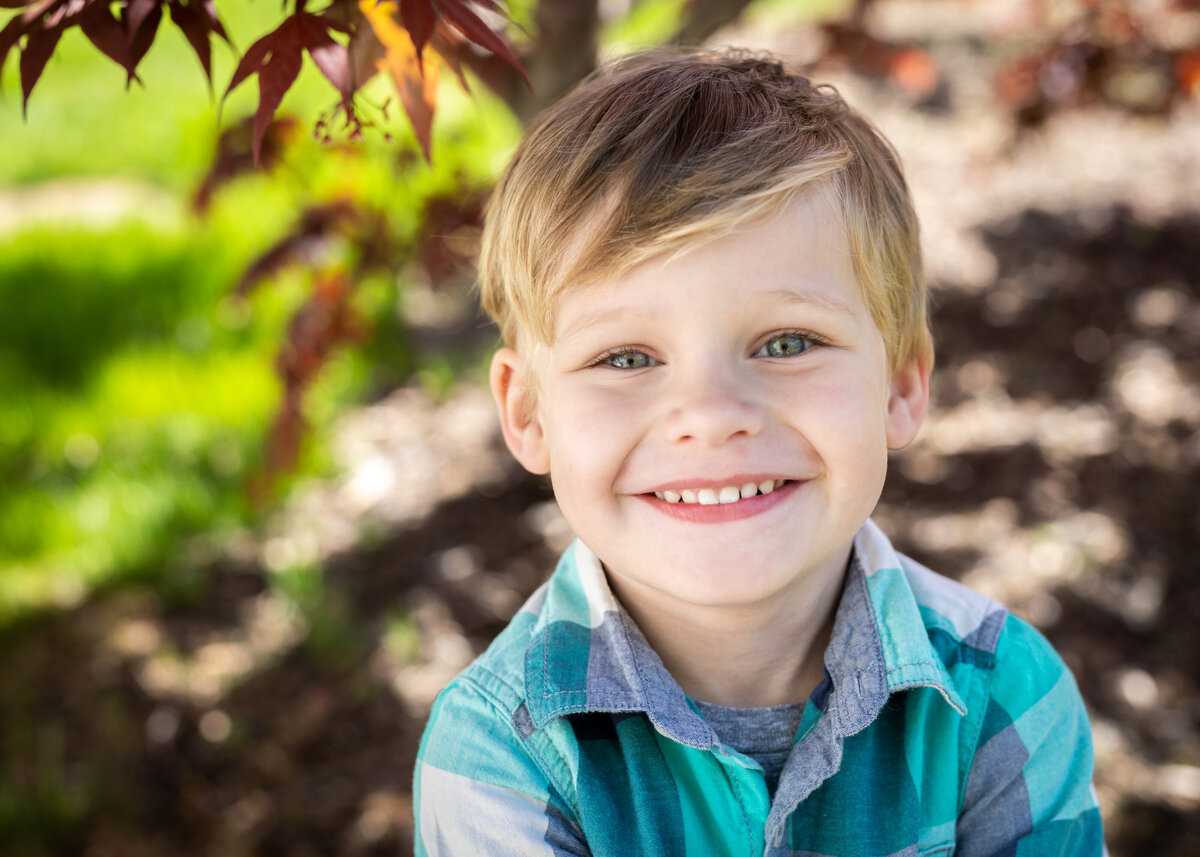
[(136, 395), (136, 403), (130, 412)]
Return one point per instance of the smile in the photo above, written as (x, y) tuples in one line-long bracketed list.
[(719, 496)]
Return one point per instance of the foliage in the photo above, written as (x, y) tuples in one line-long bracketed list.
[(1102, 50), (139, 392), (369, 39), (121, 432)]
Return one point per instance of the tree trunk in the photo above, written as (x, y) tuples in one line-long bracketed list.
[(705, 17)]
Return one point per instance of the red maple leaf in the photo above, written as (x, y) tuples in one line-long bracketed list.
[(438, 27), (198, 21), (459, 15), (420, 19), (234, 156), (276, 59), (42, 24), (414, 73), (314, 229), (124, 37)]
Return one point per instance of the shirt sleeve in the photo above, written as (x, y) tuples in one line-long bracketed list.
[(1029, 787), (477, 789)]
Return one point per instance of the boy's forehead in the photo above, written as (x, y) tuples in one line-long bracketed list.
[(594, 298), (583, 307)]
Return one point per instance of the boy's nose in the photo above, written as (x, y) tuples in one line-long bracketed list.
[(713, 411)]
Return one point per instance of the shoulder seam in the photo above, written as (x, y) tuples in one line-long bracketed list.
[(534, 749), (979, 713)]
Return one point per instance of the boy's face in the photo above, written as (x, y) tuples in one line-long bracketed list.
[(749, 360)]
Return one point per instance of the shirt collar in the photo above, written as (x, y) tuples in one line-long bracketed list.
[(879, 644), (587, 655)]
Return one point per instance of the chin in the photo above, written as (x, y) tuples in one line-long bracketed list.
[(720, 588)]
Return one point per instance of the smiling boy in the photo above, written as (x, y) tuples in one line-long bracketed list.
[(707, 273)]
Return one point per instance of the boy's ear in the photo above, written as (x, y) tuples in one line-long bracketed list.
[(907, 402), (513, 391)]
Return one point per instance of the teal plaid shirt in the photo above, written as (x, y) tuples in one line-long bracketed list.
[(944, 726)]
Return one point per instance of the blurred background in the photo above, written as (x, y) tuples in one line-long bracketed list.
[(254, 511)]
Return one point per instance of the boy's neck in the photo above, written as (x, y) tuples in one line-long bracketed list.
[(749, 656)]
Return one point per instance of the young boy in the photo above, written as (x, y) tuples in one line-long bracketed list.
[(708, 276)]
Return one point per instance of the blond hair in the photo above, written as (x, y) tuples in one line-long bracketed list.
[(659, 150)]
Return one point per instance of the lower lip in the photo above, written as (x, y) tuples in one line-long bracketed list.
[(700, 514)]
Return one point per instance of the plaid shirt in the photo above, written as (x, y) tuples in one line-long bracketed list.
[(944, 726)]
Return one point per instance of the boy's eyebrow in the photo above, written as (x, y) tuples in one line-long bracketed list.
[(809, 299), (817, 299), (591, 321)]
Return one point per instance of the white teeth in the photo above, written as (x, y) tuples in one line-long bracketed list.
[(714, 496)]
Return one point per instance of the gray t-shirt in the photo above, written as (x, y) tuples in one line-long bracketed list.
[(765, 735)]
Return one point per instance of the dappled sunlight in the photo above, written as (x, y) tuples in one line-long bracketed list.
[(398, 460), (442, 653), (1058, 473), (383, 813), (1026, 562), (1017, 564), (1147, 382), (1121, 769), (1064, 433), (202, 677)]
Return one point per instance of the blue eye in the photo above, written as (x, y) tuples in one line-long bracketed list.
[(785, 345), (628, 360)]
